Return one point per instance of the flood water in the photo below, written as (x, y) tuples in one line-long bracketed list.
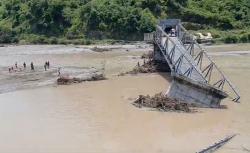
[(98, 117)]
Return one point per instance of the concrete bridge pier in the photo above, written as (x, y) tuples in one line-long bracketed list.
[(200, 94)]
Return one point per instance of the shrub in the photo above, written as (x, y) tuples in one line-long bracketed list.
[(88, 42), (248, 36), (7, 35), (53, 40), (192, 26), (244, 38), (231, 39)]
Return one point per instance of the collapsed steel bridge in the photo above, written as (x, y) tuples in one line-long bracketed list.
[(189, 61)]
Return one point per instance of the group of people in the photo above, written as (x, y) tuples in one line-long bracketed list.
[(17, 68), (46, 65), (173, 32)]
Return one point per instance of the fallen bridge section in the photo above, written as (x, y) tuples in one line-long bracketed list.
[(194, 77)]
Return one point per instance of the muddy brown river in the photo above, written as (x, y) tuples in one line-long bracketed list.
[(98, 117)]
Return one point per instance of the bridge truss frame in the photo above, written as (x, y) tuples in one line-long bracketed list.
[(200, 64)]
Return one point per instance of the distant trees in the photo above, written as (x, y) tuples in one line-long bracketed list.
[(46, 17), (223, 14), (120, 16), (75, 19), (7, 35), (35, 16)]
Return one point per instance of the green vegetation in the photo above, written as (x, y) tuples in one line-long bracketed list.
[(85, 21), (227, 20)]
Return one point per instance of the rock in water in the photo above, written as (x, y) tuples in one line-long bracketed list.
[(70, 75)]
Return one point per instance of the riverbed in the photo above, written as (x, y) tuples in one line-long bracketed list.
[(98, 117)]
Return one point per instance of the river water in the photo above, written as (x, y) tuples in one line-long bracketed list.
[(98, 117)]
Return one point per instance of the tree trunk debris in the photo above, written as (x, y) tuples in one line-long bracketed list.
[(217, 145)]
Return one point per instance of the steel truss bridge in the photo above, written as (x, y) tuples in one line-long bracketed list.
[(188, 59)]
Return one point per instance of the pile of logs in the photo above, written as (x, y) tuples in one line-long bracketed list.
[(161, 102)]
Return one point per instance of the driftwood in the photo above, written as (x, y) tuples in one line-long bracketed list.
[(162, 102), (217, 145)]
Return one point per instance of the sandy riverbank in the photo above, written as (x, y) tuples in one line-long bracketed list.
[(99, 117)]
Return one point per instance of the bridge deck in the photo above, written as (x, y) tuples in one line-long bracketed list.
[(187, 61)]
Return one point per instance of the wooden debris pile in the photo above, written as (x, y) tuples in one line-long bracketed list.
[(147, 67), (150, 66), (162, 102)]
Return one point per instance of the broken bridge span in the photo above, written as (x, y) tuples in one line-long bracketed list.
[(196, 78)]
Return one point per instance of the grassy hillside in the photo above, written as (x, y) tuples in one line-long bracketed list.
[(81, 21)]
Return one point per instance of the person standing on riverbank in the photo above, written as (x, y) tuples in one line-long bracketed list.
[(48, 64), (24, 65), (45, 66), (59, 71), (32, 66), (16, 65)]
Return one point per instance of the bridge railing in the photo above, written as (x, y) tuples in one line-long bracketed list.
[(177, 57), (213, 75)]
